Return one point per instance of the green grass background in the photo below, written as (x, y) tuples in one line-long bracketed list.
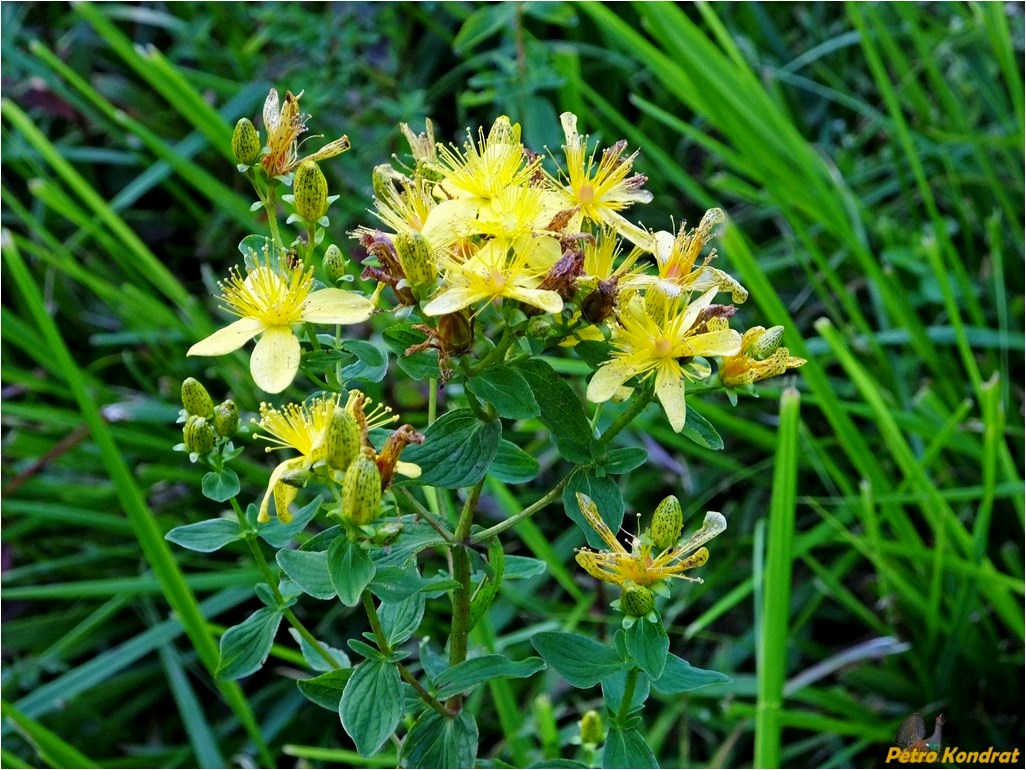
[(871, 160)]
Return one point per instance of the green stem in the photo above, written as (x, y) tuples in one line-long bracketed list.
[(628, 696), (430, 492), (271, 207), (496, 354), (516, 518), (626, 418), (461, 574), (425, 514), (386, 649)]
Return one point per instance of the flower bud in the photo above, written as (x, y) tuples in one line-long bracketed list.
[(764, 345), (334, 263), (383, 180), (598, 305), (592, 730), (297, 478), (195, 398), (246, 142), (342, 439), (414, 254), (637, 601), (199, 435), (667, 522), (310, 191), (455, 330), (361, 492), (226, 418)]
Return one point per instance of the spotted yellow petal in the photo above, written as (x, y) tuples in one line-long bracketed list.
[(275, 359), (608, 379), (669, 387), (452, 300)]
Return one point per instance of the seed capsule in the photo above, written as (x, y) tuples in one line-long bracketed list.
[(343, 439), (334, 263), (361, 493), (764, 345), (414, 254), (667, 522), (386, 181), (636, 600), (195, 398), (246, 142), (592, 731), (310, 191), (199, 435), (226, 418)]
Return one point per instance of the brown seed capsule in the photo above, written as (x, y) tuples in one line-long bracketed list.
[(246, 142), (226, 418), (334, 263), (342, 440), (199, 435), (636, 600), (361, 491), (195, 398), (310, 191), (667, 522), (414, 254)]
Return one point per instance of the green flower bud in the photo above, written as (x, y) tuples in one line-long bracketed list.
[(342, 439), (383, 180), (636, 600), (195, 398), (592, 730), (199, 435), (246, 142), (226, 418), (297, 478), (310, 191), (667, 522), (763, 346), (414, 254), (334, 263), (361, 491)]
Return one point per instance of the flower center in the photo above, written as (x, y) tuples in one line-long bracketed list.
[(662, 348), (586, 194)]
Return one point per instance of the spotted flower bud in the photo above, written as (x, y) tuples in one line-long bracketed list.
[(342, 439), (334, 263), (199, 435), (764, 345), (297, 478), (246, 142), (195, 398), (592, 730), (667, 522), (414, 254), (226, 418), (310, 191), (361, 491), (637, 601), (384, 179)]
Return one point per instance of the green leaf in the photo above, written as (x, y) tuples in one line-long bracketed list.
[(371, 705), (623, 460), (394, 584), (309, 571), (435, 741), (480, 25), (457, 450), (648, 644), (326, 690), (606, 495), (680, 676), (220, 486), (470, 673), (350, 569), (277, 534), (245, 647), (513, 465), (613, 689), (315, 660), (205, 536), (521, 567), (626, 747), (254, 244), (490, 583), (371, 364), (422, 364), (505, 389), (560, 410), (580, 660), (701, 431), (400, 620)]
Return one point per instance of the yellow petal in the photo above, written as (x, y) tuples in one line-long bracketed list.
[(336, 306), (275, 359), (670, 390), (228, 339), (725, 342), (548, 301), (296, 462), (452, 300), (409, 470), (607, 380), (696, 307)]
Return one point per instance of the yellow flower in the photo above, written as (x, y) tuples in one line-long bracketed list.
[(600, 190), (642, 565), (284, 124), (500, 268), (270, 301), (645, 345), (760, 357), (519, 211)]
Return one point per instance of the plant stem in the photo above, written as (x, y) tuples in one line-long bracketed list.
[(498, 353), (430, 493), (516, 518), (461, 574), (626, 418), (425, 514), (271, 207), (386, 649), (628, 696)]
